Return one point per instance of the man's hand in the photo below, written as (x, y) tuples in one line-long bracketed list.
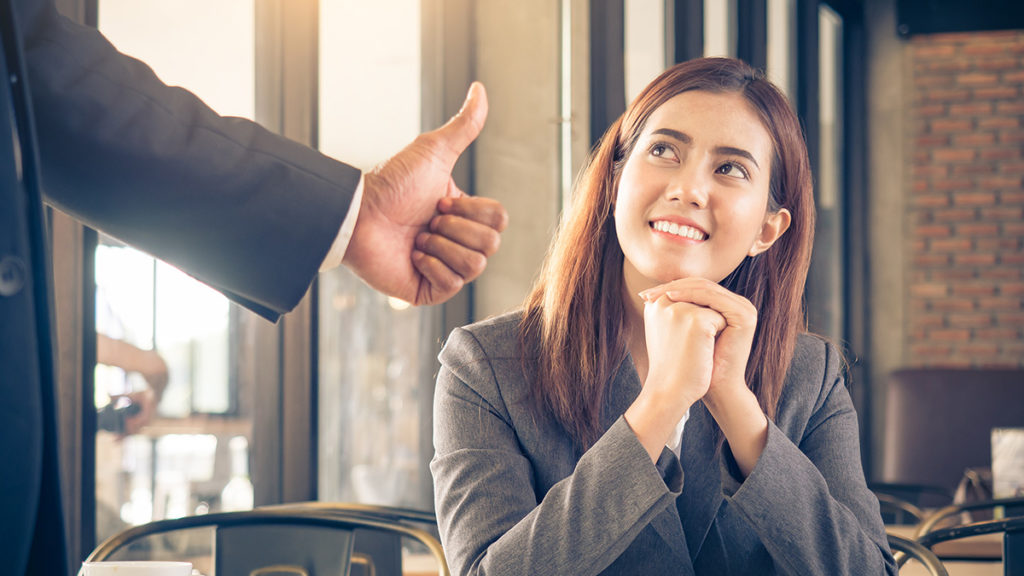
[(418, 237)]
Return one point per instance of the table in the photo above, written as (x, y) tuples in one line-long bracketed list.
[(983, 546), (956, 568)]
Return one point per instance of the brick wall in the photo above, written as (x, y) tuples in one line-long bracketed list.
[(966, 202)]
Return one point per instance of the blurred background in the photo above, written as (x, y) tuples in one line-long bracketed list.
[(175, 402)]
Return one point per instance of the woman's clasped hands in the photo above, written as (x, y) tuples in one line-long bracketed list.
[(699, 336)]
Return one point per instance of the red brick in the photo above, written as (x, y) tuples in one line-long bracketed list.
[(994, 244), (1003, 213), (974, 199), (931, 171), (1011, 259), (925, 81), (974, 139), (955, 274), (1013, 137), (1013, 228), (998, 122), (999, 303), (947, 95), (952, 305), (985, 49), (954, 215), (972, 109), (975, 259), (1012, 196), (974, 168), (930, 349), (950, 335), (977, 229), (1013, 77), (1011, 167), (976, 78), (951, 244), (970, 320), (1011, 288), (954, 154), (958, 185), (996, 333), (932, 140), (929, 290), (974, 289), (920, 186), (930, 200), (931, 260), (996, 92), (929, 321), (1010, 107), (1010, 318), (931, 51), (997, 182), (999, 274), (979, 347), (954, 65), (944, 125), (1003, 63)]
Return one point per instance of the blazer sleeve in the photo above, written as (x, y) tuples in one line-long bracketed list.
[(244, 210), (488, 513), (810, 504)]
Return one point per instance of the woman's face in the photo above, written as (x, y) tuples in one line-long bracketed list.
[(693, 195)]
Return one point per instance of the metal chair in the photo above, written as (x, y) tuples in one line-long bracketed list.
[(930, 523), (1013, 539), (908, 549), (308, 539)]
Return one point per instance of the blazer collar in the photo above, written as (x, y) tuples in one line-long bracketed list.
[(685, 525)]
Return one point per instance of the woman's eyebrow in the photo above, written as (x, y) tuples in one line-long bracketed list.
[(731, 151), (720, 150), (684, 138)]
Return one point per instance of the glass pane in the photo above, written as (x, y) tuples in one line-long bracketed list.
[(174, 428), (377, 356), (825, 283), (781, 60), (645, 43), (720, 28)]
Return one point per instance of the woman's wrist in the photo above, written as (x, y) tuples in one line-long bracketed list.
[(653, 417), (742, 421)]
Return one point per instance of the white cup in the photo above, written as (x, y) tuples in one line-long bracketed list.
[(138, 568)]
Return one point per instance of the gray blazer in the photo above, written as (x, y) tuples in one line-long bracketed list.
[(514, 496)]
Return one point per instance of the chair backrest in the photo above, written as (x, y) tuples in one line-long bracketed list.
[(297, 540), (910, 550), (938, 421)]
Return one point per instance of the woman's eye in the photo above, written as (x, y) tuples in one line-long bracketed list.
[(732, 169), (662, 151)]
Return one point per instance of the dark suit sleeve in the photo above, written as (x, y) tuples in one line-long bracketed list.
[(244, 210)]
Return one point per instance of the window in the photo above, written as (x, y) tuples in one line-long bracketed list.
[(178, 462)]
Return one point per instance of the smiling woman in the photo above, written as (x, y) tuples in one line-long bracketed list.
[(662, 341)]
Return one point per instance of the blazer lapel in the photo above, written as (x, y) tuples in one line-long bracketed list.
[(702, 485), (624, 389)]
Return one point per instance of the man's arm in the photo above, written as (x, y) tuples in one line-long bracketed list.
[(242, 209)]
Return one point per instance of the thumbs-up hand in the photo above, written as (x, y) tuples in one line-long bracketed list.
[(418, 237)]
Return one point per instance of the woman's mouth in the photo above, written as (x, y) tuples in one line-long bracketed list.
[(680, 230)]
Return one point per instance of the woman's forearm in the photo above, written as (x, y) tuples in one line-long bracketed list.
[(743, 423)]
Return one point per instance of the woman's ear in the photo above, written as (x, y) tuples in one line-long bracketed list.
[(775, 224)]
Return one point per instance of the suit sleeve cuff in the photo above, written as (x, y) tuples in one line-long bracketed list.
[(340, 245)]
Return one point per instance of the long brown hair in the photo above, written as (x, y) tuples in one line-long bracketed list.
[(573, 327)]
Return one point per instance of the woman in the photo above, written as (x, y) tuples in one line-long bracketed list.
[(653, 408)]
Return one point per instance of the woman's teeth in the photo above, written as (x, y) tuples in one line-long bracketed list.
[(682, 231)]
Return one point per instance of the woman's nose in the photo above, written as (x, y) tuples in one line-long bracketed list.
[(690, 185)]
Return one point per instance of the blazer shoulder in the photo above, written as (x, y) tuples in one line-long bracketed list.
[(496, 338), (816, 369)]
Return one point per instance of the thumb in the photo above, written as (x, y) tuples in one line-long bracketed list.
[(459, 132)]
